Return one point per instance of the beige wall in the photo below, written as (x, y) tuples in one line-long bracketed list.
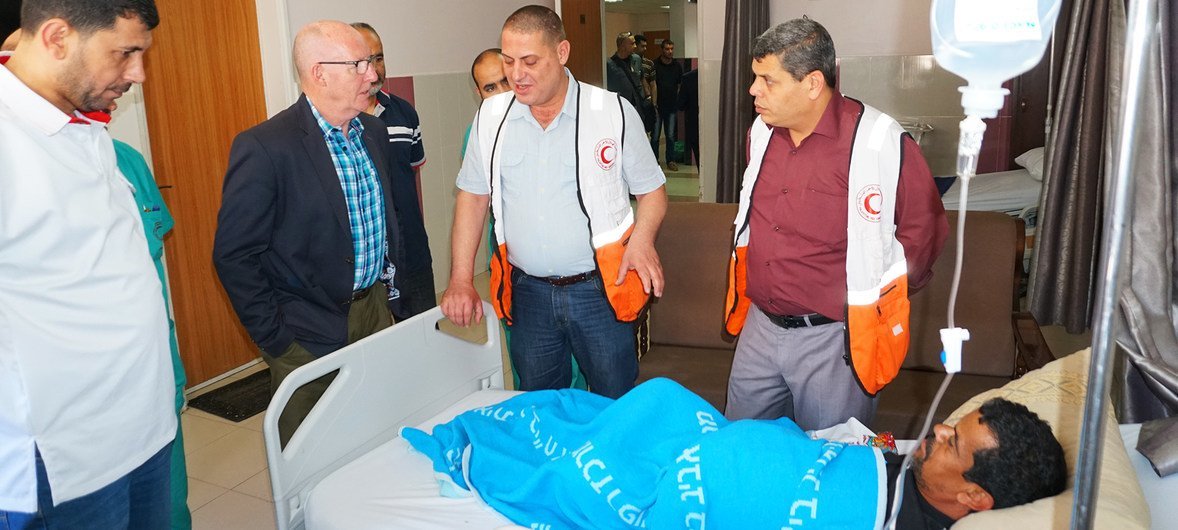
[(879, 27), (711, 51)]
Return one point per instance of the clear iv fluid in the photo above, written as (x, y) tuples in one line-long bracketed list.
[(988, 42)]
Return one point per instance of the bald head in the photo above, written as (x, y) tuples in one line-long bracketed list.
[(335, 69), (325, 40)]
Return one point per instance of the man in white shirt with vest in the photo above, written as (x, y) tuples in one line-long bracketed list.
[(556, 161), (86, 386), (839, 218)]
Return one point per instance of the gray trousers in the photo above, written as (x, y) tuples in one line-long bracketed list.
[(797, 373), (365, 317)]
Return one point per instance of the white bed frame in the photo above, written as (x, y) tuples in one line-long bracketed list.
[(401, 376)]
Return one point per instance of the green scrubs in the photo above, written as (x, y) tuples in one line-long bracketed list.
[(157, 221)]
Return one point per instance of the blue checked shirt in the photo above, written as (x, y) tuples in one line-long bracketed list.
[(363, 195)]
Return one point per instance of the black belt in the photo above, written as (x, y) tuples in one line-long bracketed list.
[(359, 295), (803, 321), (561, 281)]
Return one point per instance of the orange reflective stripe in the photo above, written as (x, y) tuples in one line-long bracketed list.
[(501, 283), (879, 336), (736, 303), (627, 299)]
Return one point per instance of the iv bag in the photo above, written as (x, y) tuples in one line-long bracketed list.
[(987, 42)]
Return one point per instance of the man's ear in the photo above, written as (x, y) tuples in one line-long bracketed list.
[(54, 35), (815, 82), (562, 51), (975, 498)]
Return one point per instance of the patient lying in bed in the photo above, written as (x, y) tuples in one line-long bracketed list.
[(662, 457)]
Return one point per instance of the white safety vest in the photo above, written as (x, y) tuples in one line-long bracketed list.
[(877, 273), (601, 192)]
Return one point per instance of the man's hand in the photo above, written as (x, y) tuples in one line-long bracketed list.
[(642, 258), (462, 305)]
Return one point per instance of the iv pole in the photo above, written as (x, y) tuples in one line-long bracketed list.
[(1140, 32)]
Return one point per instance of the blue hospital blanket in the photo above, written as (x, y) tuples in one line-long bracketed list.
[(659, 457)]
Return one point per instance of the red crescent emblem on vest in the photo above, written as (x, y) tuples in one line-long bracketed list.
[(871, 203), (606, 153)]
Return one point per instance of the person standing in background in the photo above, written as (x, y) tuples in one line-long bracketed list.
[(620, 76), (406, 156), (157, 222), (643, 66), (668, 74)]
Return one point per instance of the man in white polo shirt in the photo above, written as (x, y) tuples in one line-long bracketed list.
[(86, 420)]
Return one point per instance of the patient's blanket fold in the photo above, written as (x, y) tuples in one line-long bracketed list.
[(659, 457)]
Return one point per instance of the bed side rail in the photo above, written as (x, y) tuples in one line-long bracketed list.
[(400, 376)]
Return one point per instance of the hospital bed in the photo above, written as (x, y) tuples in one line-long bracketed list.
[(1010, 192), (347, 468)]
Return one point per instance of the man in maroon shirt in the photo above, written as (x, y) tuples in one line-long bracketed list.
[(794, 356)]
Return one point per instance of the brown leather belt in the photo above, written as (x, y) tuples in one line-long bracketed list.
[(359, 295), (561, 281), (802, 321)]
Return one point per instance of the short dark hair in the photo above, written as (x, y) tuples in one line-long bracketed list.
[(668, 41), (639, 38), (1028, 463), (364, 26), (534, 18), (801, 45), (479, 58), (87, 16)]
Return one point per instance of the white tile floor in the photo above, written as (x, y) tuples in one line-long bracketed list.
[(228, 482)]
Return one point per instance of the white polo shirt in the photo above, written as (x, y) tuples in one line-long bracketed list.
[(85, 368)]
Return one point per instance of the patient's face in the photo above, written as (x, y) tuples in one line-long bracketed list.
[(942, 459)]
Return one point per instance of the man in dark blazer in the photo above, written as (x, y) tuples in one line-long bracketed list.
[(307, 241)]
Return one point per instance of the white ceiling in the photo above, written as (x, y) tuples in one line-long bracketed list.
[(640, 7)]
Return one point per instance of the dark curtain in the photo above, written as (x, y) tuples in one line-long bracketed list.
[(744, 20), (1146, 373), (1072, 204)]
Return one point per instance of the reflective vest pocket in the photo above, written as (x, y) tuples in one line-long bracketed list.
[(627, 299), (501, 283), (737, 302), (879, 336)]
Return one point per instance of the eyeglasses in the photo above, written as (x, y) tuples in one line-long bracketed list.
[(360, 65)]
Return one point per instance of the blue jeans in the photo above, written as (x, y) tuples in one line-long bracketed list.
[(140, 499), (666, 122), (550, 323)]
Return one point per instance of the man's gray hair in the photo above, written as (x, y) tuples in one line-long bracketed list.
[(802, 45)]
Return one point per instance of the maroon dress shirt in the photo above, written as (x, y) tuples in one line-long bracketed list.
[(798, 222)]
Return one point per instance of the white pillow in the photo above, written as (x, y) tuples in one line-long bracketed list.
[(1032, 161), (1056, 394)]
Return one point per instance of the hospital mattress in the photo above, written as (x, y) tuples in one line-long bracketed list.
[(1006, 191), (394, 487)]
